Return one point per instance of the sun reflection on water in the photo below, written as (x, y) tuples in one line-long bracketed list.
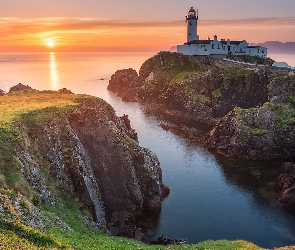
[(53, 73)]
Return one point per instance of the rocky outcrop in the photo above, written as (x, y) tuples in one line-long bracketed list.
[(15, 206), (2, 92), (199, 88), (263, 133), (65, 90), (92, 154), (168, 240), (125, 82), (287, 184), (252, 115), (19, 87)]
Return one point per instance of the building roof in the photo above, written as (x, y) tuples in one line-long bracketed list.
[(192, 9), (199, 42), (236, 42)]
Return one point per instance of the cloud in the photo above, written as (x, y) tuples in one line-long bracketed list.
[(99, 32), (13, 25)]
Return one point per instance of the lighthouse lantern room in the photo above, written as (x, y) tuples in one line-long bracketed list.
[(192, 25)]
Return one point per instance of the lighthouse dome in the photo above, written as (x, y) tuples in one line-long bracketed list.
[(192, 12), (192, 9)]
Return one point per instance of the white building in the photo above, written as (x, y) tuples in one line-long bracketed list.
[(194, 46)]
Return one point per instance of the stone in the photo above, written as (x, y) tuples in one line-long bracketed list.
[(168, 240), (286, 183), (19, 87)]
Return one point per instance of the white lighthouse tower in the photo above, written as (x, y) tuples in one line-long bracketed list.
[(192, 25)]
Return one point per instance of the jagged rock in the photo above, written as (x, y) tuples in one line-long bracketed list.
[(65, 90), (203, 93), (287, 184), (192, 134), (17, 207), (263, 133), (91, 155), (125, 83), (19, 87), (131, 132), (2, 92), (230, 96), (167, 240)]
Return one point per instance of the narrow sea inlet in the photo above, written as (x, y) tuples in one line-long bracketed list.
[(210, 198)]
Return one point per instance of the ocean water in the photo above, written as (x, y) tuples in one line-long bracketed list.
[(211, 198), (288, 58)]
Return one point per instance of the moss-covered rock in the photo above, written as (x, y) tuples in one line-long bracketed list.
[(56, 144), (265, 132), (199, 87)]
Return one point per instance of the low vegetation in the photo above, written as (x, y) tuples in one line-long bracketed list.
[(232, 71), (245, 121), (251, 59), (284, 115)]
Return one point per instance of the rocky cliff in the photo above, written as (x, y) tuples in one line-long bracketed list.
[(287, 184), (198, 88), (249, 106), (82, 151), (262, 133)]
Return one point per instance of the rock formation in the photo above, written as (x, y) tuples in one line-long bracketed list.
[(19, 87), (263, 133), (88, 153), (251, 107), (197, 88), (287, 184)]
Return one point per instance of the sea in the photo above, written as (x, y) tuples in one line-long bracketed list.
[(211, 197)]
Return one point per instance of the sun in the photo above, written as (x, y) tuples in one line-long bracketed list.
[(50, 43)]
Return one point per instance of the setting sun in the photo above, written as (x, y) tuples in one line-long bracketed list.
[(50, 43)]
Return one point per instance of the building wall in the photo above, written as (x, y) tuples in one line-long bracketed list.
[(257, 51), (192, 49), (192, 33), (215, 47)]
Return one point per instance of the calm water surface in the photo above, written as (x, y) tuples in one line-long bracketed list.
[(210, 198)]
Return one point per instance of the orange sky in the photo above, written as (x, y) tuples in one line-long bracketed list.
[(107, 35)]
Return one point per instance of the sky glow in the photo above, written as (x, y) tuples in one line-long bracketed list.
[(147, 26)]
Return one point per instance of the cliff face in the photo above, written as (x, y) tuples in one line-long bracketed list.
[(92, 156), (287, 184), (267, 132), (199, 88), (252, 115)]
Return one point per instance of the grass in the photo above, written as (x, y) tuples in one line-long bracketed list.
[(20, 102), (16, 235), (68, 211), (217, 92), (284, 115), (251, 59), (252, 131), (42, 106), (233, 71), (93, 241), (179, 74)]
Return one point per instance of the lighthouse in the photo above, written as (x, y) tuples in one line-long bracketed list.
[(192, 25)]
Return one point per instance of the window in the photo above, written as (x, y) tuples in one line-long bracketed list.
[(212, 46), (218, 46)]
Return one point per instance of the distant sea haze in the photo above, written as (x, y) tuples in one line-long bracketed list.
[(276, 47)]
